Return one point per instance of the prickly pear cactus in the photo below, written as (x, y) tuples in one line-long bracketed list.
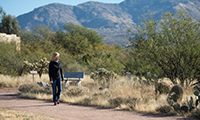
[(185, 108), (175, 94), (190, 103), (171, 103), (196, 93), (177, 106)]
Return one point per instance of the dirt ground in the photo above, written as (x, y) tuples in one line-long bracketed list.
[(64, 111)]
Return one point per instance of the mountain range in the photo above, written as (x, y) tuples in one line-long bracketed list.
[(110, 20)]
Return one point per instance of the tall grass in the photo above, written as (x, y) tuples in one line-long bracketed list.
[(8, 81), (121, 94)]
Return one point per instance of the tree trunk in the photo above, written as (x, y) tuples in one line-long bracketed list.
[(40, 73)]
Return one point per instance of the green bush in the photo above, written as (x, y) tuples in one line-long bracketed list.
[(10, 62), (104, 59)]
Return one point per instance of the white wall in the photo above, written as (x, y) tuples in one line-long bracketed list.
[(10, 38)]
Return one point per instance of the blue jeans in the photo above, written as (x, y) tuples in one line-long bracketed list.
[(56, 83)]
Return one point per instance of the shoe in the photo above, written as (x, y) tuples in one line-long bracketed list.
[(55, 103), (58, 101)]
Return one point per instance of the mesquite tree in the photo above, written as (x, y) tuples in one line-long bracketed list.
[(169, 47)]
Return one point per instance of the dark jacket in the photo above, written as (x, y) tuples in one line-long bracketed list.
[(55, 70)]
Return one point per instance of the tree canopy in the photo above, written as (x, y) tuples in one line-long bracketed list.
[(168, 48), (9, 25)]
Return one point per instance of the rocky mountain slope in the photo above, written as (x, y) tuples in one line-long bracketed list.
[(111, 20)]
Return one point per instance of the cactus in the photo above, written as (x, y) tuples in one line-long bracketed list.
[(177, 106), (190, 103), (42, 65), (174, 97), (171, 102), (29, 66), (175, 94), (184, 108), (196, 93)]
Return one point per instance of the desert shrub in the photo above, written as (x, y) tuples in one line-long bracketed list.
[(196, 114), (37, 90), (116, 102), (103, 76), (103, 93), (48, 90), (34, 88), (162, 88), (3, 84), (74, 91), (27, 87), (146, 97), (175, 94), (166, 110), (131, 102), (86, 101)]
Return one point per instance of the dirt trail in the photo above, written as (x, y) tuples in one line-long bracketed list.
[(65, 111)]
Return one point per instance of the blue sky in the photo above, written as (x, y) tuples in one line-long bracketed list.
[(18, 7)]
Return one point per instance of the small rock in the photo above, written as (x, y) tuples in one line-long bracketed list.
[(43, 84)]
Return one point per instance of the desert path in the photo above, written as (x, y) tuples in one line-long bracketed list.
[(64, 111)]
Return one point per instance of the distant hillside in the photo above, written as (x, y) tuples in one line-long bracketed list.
[(111, 20)]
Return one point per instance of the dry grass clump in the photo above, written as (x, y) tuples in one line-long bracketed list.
[(34, 88), (130, 103), (39, 96), (74, 91), (8, 114), (196, 114)]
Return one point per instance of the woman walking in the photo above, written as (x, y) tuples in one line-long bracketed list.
[(55, 75)]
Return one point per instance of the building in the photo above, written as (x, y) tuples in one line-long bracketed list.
[(11, 38)]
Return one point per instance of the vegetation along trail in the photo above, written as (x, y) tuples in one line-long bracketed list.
[(9, 99)]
